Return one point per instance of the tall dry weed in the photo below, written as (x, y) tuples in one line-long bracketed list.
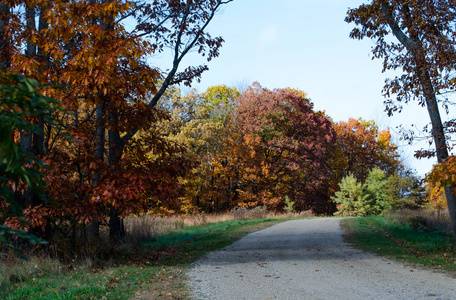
[(244, 213), (423, 218), (147, 227), (16, 270)]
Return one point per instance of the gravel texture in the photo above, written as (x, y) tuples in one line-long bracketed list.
[(308, 259)]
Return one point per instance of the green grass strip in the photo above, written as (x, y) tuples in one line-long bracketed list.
[(426, 247)]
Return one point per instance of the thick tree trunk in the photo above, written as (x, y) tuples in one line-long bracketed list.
[(37, 138), (451, 201), (30, 15), (43, 25), (34, 142), (40, 144), (116, 226)]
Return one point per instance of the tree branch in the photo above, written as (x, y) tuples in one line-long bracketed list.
[(397, 31), (178, 56)]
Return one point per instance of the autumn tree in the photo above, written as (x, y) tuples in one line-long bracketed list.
[(436, 196), (441, 175), (361, 146), (85, 47), (181, 26), (425, 31), (84, 52), (278, 148), (199, 123)]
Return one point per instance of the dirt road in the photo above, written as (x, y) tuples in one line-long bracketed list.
[(307, 259)]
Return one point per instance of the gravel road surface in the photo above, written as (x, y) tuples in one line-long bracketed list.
[(307, 259)]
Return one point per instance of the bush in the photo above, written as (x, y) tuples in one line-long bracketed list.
[(377, 194)]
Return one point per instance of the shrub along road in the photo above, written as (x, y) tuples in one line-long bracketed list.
[(308, 259)]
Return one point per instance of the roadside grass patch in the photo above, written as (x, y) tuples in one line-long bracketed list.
[(154, 271), (191, 243), (425, 246)]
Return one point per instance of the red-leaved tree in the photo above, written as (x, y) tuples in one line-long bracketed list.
[(278, 147)]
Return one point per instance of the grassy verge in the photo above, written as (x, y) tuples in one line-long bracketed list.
[(422, 246), (155, 271)]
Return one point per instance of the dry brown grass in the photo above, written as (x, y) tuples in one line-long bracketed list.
[(15, 270), (148, 227), (426, 218)]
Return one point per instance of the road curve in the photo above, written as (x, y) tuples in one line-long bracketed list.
[(308, 259)]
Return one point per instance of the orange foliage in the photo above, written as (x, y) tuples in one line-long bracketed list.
[(361, 147), (443, 174), (436, 196), (276, 146)]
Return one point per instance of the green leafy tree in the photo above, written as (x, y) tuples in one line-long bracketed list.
[(376, 196), (405, 190), (20, 169), (219, 101), (350, 197), (361, 199)]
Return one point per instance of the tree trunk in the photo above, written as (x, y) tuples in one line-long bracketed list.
[(27, 198), (415, 48), (440, 145), (451, 201), (94, 228), (26, 139), (116, 146), (30, 15), (4, 42), (116, 226), (43, 25)]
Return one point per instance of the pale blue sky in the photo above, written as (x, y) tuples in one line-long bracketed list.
[(305, 44)]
